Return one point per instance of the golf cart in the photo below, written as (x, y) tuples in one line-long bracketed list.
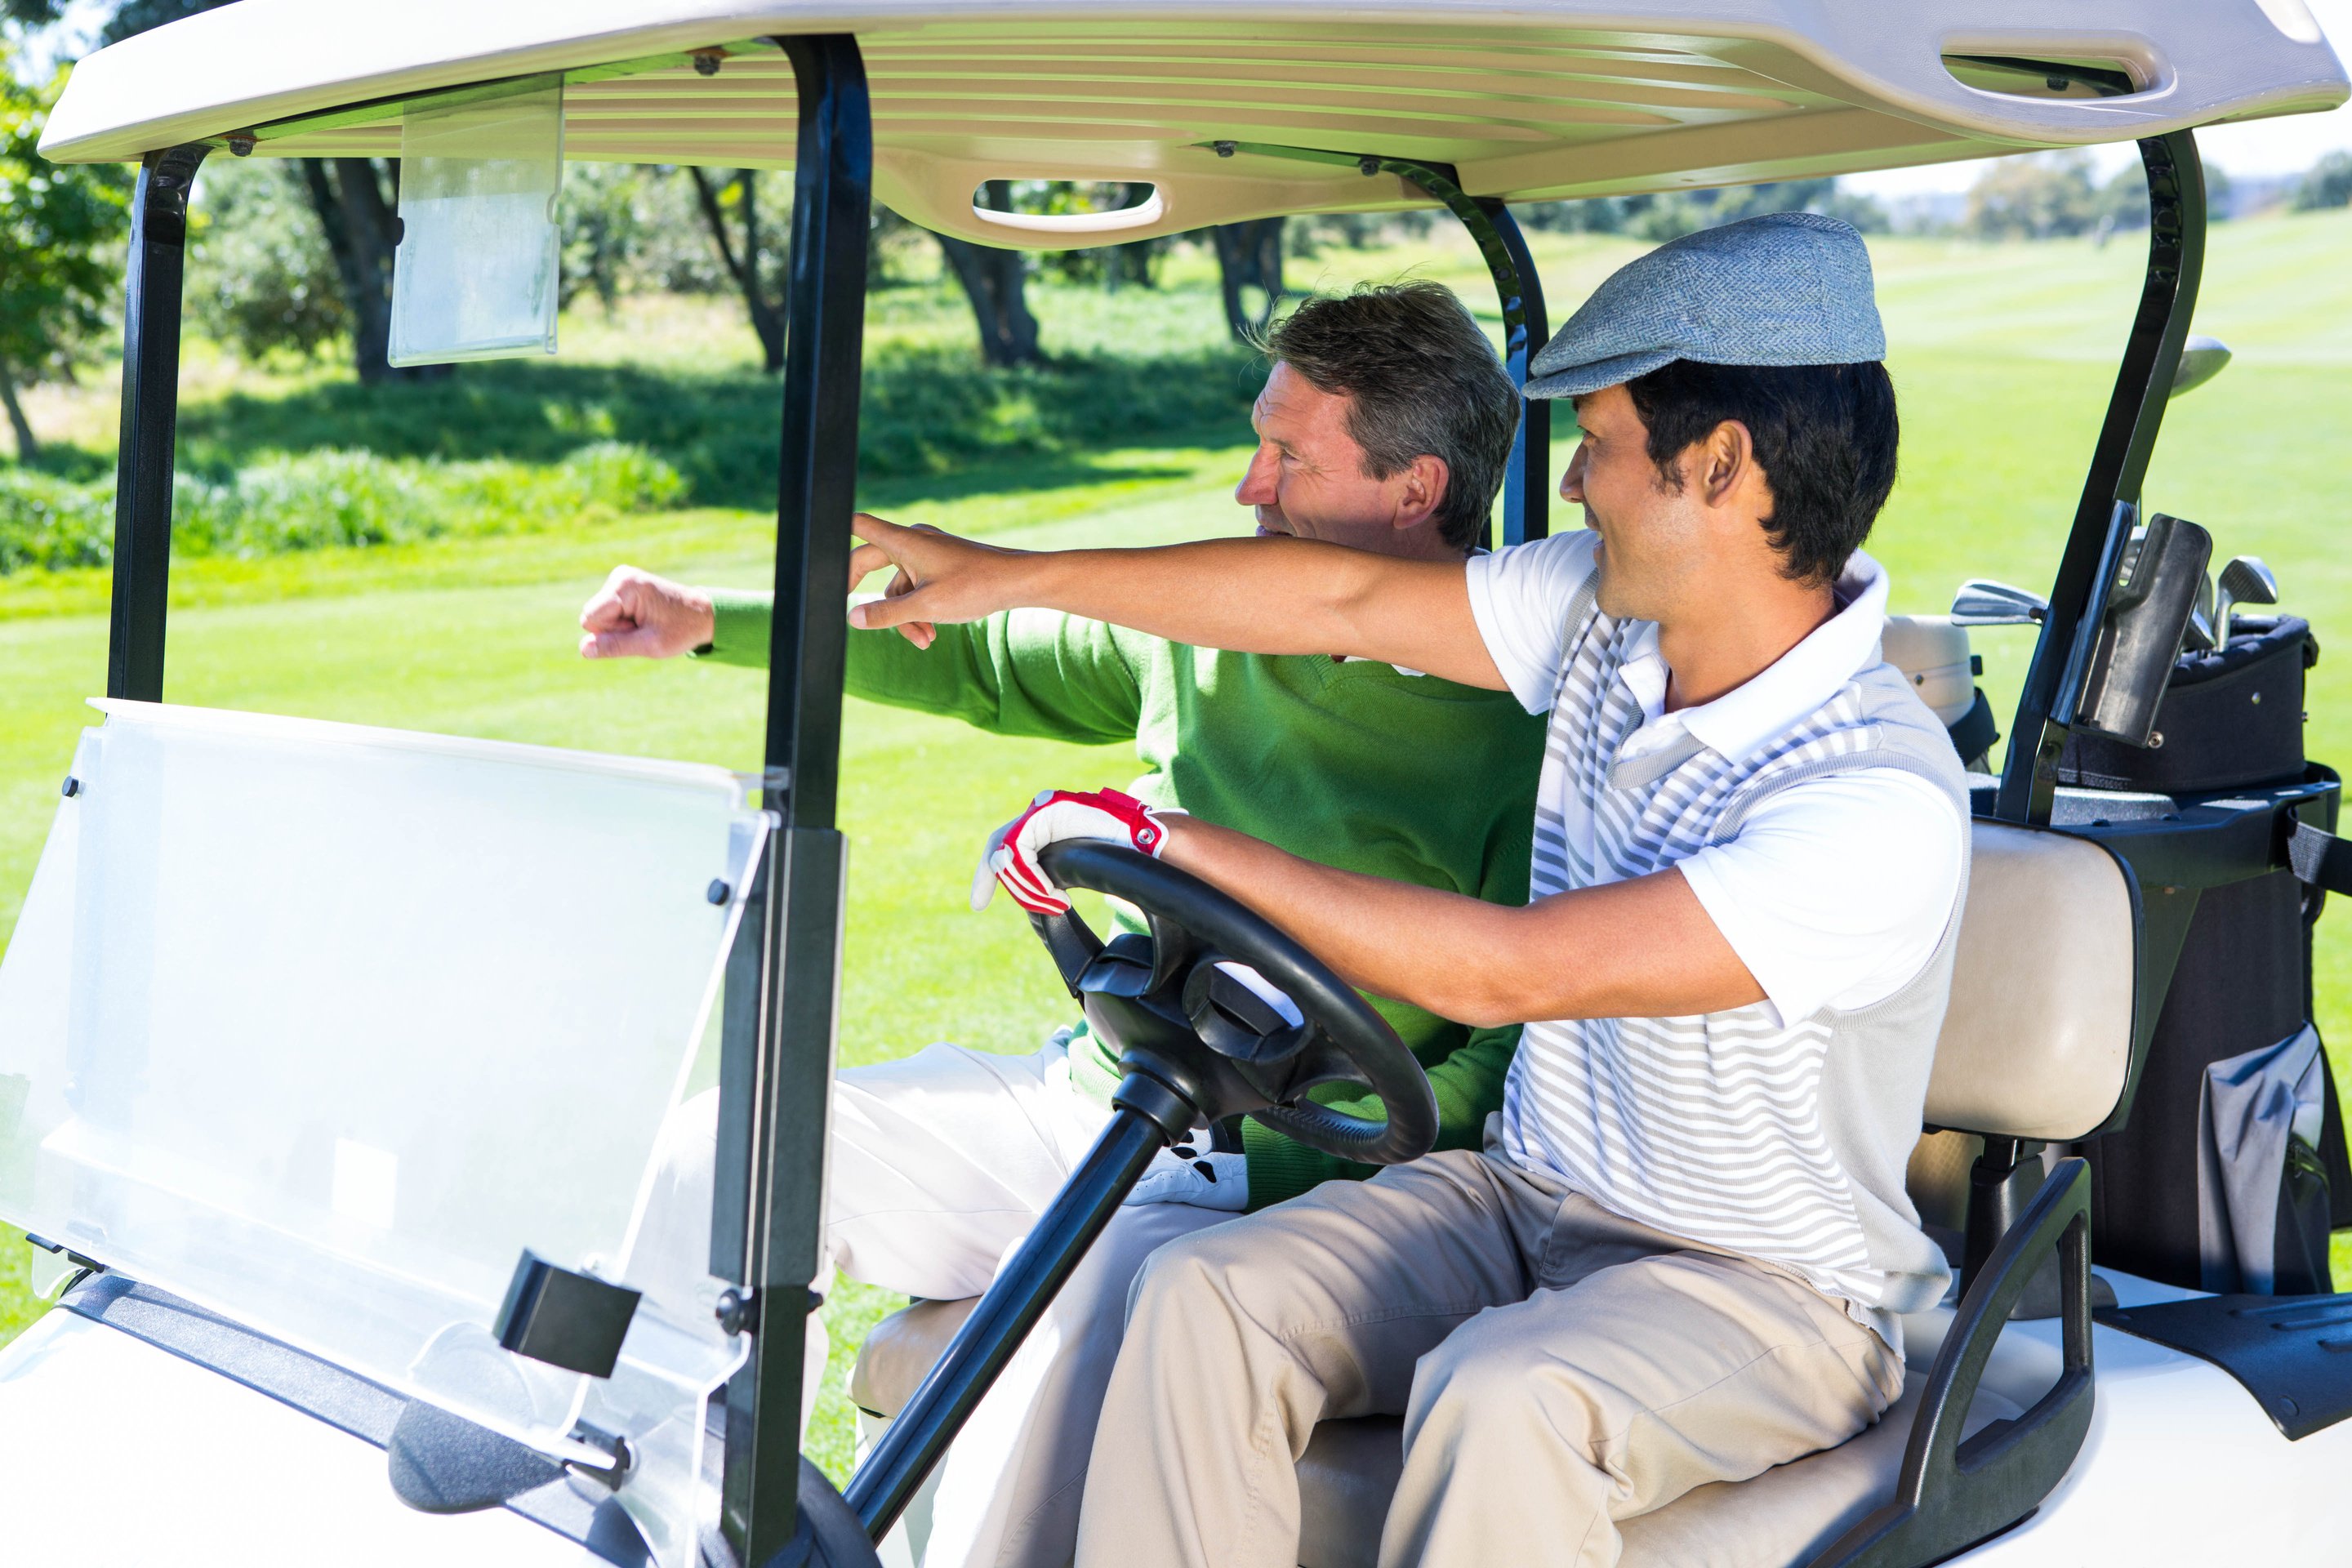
[(345, 1128)]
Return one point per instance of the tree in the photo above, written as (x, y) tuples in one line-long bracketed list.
[(1249, 256), (355, 200), (61, 233), (995, 281), (259, 275), (746, 259), (2326, 184), (2043, 196), (361, 220)]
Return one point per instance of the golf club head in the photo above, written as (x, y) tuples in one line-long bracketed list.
[(2246, 580), (1982, 603), (2202, 359)]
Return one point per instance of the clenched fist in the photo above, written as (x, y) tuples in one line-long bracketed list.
[(636, 615)]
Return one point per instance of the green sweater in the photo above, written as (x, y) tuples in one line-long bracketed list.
[(1353, 764)]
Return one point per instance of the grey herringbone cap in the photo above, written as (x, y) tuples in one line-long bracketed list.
[(1785, 288)]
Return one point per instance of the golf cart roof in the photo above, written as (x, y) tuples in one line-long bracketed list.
[(1527, 99)]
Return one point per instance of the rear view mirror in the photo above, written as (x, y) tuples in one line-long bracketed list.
[(2140, 635), (477, 270)]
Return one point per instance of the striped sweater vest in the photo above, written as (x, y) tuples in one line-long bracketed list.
[(1782, 1141)]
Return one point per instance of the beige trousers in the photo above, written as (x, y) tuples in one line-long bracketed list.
[(1558, 1368)]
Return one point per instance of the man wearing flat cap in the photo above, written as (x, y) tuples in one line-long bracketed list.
[(1682, 1254)]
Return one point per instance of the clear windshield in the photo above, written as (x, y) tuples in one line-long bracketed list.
[(322, 1026)]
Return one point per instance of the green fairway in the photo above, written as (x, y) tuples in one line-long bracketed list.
[(2002, 356)]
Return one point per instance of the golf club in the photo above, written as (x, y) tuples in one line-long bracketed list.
[(2246, 580), (1981, 602)]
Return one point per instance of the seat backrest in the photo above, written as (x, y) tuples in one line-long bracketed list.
[(2037, 1041)]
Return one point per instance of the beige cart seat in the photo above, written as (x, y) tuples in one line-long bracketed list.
[(2037, 1043)]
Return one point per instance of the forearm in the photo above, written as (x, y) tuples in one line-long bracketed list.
[(1642, 948), (1249, 595)]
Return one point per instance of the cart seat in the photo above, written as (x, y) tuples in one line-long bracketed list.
[(2036, 1044)]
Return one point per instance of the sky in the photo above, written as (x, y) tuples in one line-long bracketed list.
[(2286, 145)]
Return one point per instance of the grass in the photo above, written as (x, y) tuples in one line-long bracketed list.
[(2003, 356)]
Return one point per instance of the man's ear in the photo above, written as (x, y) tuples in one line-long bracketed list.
[(1425, 478), (1726, 462)]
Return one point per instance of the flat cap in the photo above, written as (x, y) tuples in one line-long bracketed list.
[(1784, 288)]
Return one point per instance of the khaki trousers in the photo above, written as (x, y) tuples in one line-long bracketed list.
[(1558, 1368)]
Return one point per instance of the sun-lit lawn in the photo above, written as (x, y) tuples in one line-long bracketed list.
[(2002, 356)]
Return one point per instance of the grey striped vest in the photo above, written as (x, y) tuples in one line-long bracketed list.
[(1783, 1141)]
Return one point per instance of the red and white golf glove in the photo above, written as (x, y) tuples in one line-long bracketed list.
[(1011, 856)]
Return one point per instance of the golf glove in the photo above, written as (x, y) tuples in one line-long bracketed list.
[(1011, 856), (1204, 1178)]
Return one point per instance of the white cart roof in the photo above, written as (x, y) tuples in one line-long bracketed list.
[(1530, 100)]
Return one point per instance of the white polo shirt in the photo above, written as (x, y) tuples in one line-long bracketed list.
[(1836, 890)]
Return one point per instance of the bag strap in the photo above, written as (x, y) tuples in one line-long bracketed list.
[(2320, 858)]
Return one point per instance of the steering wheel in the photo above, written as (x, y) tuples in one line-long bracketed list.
[(1171, 1006)]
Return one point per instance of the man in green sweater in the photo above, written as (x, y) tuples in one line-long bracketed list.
[(1385, 425)]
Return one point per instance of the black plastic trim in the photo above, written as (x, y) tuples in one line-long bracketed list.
[(783, 974), (150, 417), (1953, 1494), (2175, 258), (2288, 1352), (327, 1393), (564, 1318)]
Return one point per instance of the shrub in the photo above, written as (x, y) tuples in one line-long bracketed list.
[(328, 498)]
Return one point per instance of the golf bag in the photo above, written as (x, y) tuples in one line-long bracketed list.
[(2232, 1171)]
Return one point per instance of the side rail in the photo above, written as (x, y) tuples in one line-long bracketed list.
[(1954, 1494)]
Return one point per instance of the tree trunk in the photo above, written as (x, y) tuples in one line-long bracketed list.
[(28, 447), (767, 317), (1249, 256), (361, 228), (995, 282)]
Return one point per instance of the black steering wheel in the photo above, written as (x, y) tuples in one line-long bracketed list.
[(1190, 1025)]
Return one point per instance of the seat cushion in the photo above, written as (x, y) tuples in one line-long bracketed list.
[(1778, 1519), (2037, 1040), (900, 1353)]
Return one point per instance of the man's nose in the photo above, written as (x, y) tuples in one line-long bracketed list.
[(1257, 487), (1571, 483)]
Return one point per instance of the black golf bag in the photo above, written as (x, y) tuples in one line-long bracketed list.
[(2231, 1172)]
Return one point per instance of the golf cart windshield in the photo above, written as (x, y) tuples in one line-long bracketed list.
[(323, 1027)]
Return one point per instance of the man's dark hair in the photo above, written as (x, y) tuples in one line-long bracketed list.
[(1422, 379), (1824, 435)]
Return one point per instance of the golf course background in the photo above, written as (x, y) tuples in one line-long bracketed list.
[(460, 618)]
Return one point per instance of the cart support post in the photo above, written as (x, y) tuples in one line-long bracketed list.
[(2176, 259), (783, 977), (150, 414), (1526, 484)]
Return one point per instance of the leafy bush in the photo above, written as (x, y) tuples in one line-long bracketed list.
[(335, 498), (48, 523), (926, 409)]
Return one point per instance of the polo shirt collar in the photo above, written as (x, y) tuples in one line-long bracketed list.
[(1791, 687)]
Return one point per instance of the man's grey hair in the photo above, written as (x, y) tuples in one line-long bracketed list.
[(1422, 379)]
